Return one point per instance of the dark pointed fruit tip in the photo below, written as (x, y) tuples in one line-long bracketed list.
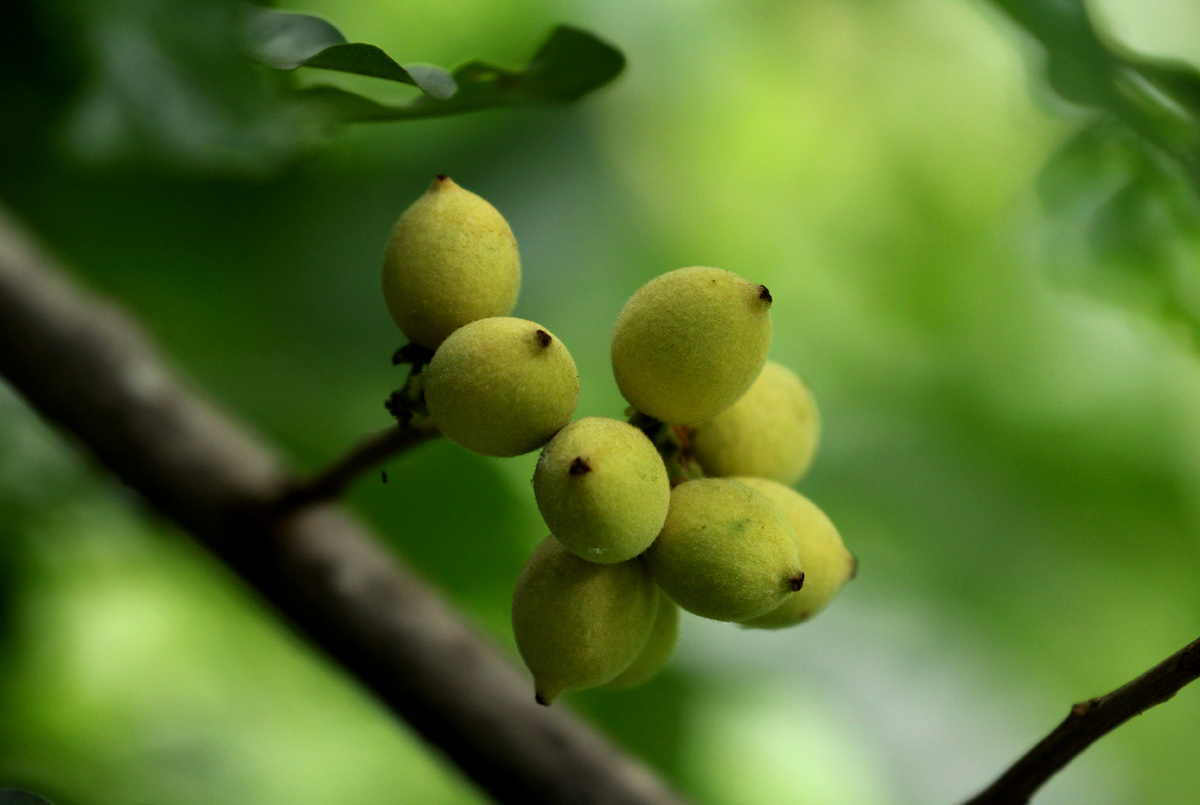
[(796, 583), (544, 338), (853, 567), (764, 294), (537, 697), (579, 466), (441, 177)]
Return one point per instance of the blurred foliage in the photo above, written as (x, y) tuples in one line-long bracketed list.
[(169, 80), (13, 796), (1140, 158), (1016, 465), (568, 65)]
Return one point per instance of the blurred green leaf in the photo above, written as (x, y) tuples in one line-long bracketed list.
[(12, 796), (570, 64), (286, 41), (1129, 226), (368, 60), (1128, 185), (1157, 100), (1179, 82)]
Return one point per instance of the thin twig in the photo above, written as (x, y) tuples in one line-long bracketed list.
[(1087, 722), (83, 364), (372, 451)]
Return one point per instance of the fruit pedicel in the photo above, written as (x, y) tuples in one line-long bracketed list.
[(688, 504)]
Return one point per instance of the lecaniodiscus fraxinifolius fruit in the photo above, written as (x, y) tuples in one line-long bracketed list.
[(637, 530)]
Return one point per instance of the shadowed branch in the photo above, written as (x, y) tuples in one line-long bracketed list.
[(1089, 721)]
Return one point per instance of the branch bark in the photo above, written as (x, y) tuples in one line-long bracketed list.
[(83, 364), (1089, 721)]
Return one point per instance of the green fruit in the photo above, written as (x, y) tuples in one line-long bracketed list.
[(689, 343), (726, 551), (579, 624), (659, 647), (827, 563), (602, 489), (501, 386), (450, 260), (771, 432)]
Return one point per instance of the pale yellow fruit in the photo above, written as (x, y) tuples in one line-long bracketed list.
[(579, 624), (827, 563), (771, 432), (689, 343), (602, 489), (659, 647), (501, 386), (726, 551), (451, 259)]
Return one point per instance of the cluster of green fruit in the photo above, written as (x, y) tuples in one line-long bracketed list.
[(687, 504)]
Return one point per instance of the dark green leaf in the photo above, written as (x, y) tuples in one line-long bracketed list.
[(1133, 227), (286, 41), (11, 796), (570, 64), (368, 60), (1180, 82), (1157, 101), (433, 80)]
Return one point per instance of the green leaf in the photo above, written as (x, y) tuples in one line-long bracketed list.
[(368, 60), (286, 41), (11, 796), (1180, 82), (570, 64)]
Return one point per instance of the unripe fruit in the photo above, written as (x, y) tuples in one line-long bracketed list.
[(602, 489), (450, 260), (827, 563), (689, 343), (501, 386), (659, 647), (771, 432), (579, 624), (726, 552)]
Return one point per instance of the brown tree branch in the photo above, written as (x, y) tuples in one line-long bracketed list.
[(81, 362), (1089, 721), (332, 481)]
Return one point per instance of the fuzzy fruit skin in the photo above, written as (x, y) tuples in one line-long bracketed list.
[(501, 386), (771, 432), (726, 551), (659, 648), (602, 489), (827, 563), (451, 259), (690, 342), (579, 624)]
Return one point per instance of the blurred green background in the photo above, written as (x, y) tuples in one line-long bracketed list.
[(1004, 358)]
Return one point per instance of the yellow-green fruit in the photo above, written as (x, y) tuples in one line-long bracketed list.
[(501, 386), (689, 343), (827, 563), (659, 647), (579, 624), (602, 489), (726, 551), (450, 260), (771, 432)]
